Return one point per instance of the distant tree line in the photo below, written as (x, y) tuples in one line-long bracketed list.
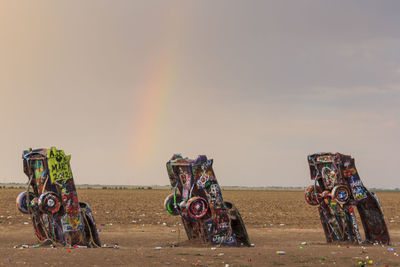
[(126, 188), (86, 187), (12, 187)]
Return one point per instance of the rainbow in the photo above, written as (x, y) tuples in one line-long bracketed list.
[(159, 84), (150, 114)]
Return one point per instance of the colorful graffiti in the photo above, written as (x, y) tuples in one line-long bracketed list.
[(197, 198), (52, 200), (337, 191)]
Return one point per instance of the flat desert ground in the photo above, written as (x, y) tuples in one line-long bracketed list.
[(135, 220)]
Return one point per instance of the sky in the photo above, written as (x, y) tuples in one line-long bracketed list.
[(255, 85)]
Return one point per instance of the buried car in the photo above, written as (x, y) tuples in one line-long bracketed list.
[(51, 200), (198, 200), (337, 191)]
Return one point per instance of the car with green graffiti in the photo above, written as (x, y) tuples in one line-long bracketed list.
[(52, 202)]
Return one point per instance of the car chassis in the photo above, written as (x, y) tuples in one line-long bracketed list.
[(198, 200), (51, 200), (337, 190)]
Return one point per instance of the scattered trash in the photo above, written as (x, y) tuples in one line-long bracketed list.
[(26, 223), (213, 248), (390, 249), (323, 258), (69, 251), (280, 252), (220, 254), (303, 243), (116, 246), (36, 246), (9, 259), (282, 224), (24, 246), (16, 246), (173, 231), (167, 263), (252, 245), (300, 247), (271, 224), (158, 248), (165, 224)]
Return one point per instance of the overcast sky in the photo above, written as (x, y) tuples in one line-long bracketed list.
[(255, 85)]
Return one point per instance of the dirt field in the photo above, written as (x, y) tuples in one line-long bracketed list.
[(134, 219)]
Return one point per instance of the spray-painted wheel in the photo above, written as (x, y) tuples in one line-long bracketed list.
[(23, 201), (49, 203), (171, 204), (311, 195), (341, 193), (197, 207)]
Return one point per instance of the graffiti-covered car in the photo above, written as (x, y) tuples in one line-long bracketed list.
[(337, 191), (198, 200), (52, 202)]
